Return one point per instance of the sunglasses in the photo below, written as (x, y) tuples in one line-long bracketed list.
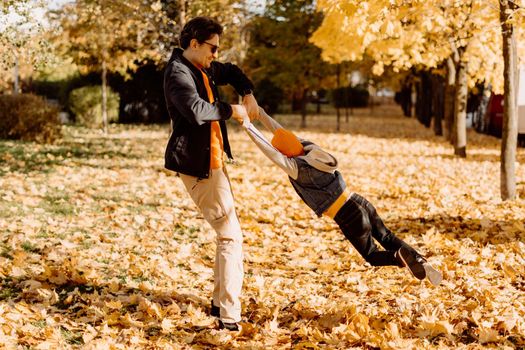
[(214, 48)]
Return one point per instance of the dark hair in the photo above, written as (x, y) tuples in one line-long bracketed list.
[(200, 28)]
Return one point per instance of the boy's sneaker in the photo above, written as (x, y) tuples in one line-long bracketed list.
[(434, 276), (413, 261), (234, 326), (215, 311)]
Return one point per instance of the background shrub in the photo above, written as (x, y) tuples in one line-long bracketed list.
[(349, 96), (86, 105), (269, 96), (28, 117)]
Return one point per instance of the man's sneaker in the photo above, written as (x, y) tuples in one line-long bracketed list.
[(234, 326), (215, 311), (413, 261), (434, 276)]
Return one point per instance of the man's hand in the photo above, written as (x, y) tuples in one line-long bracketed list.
[(251, 105), (240, 114)]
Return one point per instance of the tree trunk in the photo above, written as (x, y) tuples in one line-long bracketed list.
[(346, 104), (345, 98), (450, 92), (345, 92), (16, 78), (182, 22), (337, 112), (426, 98), (405, 96), (437, 103), (413, 99), (338, 123), (483, 117), (509, 136), (182, 13), (418, 107), (460, 125), (304, 102), (104, 97), (371, 99), (296, 102)]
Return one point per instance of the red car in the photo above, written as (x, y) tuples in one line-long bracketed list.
[(494, 116)]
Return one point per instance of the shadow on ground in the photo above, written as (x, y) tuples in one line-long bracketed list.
[(25, 157)]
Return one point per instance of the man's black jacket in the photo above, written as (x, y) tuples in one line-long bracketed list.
[(188, 149)]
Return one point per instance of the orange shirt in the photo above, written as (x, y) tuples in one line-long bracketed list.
[(216, 146)]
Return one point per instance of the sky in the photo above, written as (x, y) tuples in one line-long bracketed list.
[(38, 12)]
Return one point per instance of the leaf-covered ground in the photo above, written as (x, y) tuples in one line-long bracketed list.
[(101, 248)]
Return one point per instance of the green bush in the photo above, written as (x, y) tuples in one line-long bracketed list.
[(349, 96), (269, 95), (86, 104), (60, 89), (28, 117)]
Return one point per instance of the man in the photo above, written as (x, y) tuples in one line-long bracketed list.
[(196, 149)]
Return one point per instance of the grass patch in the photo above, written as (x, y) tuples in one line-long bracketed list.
[(10, 209), (72, 338), (140, 279), (153, 331), (141, 208), (30, 247), (5, 252), (122, 279), (8, 289), (58, 204), (39, 324), (185, 231), (86, 244), (26, 157), (108, 196), (42, 233)]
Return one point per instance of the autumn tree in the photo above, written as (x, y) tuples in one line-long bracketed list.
[(280, 49), (22, 44), (415, 33), (233, 15), (110, 35), (510, 111), (465, 34)]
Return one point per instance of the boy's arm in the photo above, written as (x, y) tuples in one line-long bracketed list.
[(268, 122), (289, 165)]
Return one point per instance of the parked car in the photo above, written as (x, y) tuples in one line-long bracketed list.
[(494, 113)]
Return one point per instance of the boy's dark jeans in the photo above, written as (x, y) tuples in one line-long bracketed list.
[(359, 221)]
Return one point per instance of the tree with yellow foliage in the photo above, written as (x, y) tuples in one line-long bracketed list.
[(508, 20), (22, 44), (110, 35), (402, 34)]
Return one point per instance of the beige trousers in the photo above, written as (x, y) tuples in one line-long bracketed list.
[(214, 198)]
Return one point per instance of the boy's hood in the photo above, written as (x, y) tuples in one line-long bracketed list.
[(319, 159)]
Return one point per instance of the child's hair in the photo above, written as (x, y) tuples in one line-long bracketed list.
[(287, 143)]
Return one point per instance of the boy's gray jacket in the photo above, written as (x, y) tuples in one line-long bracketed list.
[(313, 175), (318, 189)]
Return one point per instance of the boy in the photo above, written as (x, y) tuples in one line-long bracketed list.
[(314, 176)]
